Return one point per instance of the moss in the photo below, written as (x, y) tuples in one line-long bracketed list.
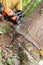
[(1, 58), (5, 28), (9, 61), (22, 56), (32, 7)]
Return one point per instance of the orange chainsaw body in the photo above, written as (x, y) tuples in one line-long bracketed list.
[(9, 12)]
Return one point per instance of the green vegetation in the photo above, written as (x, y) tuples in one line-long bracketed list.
[(25, 2), (9, 61), (22, 56), (1, 58), (5, 28), (32, 7)]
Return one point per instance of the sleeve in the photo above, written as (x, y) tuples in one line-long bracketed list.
[(19, 5)]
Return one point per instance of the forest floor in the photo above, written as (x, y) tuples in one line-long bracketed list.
[(32, 26)]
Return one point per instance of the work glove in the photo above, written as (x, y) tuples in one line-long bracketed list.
[(20, 16), (19, 13)]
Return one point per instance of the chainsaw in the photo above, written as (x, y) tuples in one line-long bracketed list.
[(8, 14)]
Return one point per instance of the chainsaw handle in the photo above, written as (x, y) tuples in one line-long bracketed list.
[(7, 17), (17, 20)]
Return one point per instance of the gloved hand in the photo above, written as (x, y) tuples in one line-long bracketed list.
[(20, 16)]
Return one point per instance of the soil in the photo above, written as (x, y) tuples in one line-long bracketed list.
[(34, 22), (33, 26)]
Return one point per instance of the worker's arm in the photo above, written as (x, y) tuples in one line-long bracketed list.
[(19, 5), (19, 10)]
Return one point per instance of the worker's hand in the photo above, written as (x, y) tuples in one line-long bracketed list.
[(20, 16)]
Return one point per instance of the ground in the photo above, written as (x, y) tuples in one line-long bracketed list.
[(32, 26)]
